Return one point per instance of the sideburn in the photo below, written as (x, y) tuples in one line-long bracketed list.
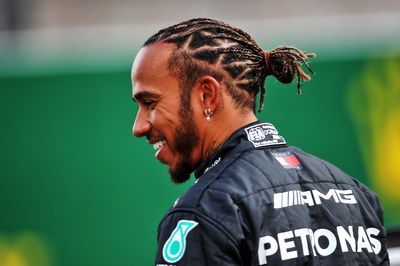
[(186, 139)]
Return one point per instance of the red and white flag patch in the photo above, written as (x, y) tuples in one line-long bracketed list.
[(287, 159)]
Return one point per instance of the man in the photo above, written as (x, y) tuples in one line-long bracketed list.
[(256, 201)]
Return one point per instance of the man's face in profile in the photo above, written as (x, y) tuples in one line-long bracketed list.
[(163, 118)]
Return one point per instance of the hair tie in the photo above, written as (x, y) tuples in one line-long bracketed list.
[(266, 58)]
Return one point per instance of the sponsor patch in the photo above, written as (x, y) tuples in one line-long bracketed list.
[(321, 242), (312, 197), (212, 165), (287, 159), (175, 246), (264, 134)]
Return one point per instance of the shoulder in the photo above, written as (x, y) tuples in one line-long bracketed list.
[(217, 194), (266, 171), (214, 197), (320, 170)]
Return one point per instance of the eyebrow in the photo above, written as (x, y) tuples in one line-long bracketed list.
[(144, 94)]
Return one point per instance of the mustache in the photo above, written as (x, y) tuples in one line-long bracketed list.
[(155, 136)]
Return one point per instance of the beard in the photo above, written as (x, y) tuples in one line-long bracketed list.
[(186, 138)]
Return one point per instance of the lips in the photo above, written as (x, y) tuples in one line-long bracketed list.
[(159, 143)]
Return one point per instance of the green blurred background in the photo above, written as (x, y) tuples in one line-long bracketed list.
[(76, 188)]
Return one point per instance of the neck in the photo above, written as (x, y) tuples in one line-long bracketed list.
[(220, 128)]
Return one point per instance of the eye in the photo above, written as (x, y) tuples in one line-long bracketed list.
[(149, 103)]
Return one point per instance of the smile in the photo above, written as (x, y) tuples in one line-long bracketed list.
[(159, 144)]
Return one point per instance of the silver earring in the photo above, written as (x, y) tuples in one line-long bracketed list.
[(208, 114)]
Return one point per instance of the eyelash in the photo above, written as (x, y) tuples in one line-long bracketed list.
[(149, 103)]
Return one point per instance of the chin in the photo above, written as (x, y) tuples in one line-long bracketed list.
[(181, 172)]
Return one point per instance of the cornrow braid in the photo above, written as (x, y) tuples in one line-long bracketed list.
[(233, 51)]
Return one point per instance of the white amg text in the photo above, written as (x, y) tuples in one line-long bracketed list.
[(312, 197)]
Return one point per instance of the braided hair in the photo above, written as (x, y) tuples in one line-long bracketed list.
[(203, 42)]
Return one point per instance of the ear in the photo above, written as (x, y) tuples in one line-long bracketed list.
[(209, 92)]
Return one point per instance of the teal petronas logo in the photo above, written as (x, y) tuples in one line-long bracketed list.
[(175, 246)]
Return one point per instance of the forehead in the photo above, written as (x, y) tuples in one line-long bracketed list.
[(150, 69)]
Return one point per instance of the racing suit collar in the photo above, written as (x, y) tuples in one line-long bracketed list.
[(254, 135)]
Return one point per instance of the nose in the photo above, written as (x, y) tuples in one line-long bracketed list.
[(142, 126)]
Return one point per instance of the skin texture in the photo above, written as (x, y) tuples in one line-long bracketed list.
[(164, 116)]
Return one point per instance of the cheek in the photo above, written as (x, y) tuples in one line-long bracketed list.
[(164, 119), (198, 114), (197, 106)]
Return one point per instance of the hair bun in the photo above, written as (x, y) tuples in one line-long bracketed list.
[(284, 62)]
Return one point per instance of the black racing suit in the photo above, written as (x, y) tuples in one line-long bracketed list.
[(257, 201)]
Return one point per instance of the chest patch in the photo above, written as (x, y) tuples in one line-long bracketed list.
[(287, 159), (174, 247)]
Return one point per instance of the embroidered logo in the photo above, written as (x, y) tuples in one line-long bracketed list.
[(213, 164), (264, 134), (312, 197), (287, 159), (175, 246)]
